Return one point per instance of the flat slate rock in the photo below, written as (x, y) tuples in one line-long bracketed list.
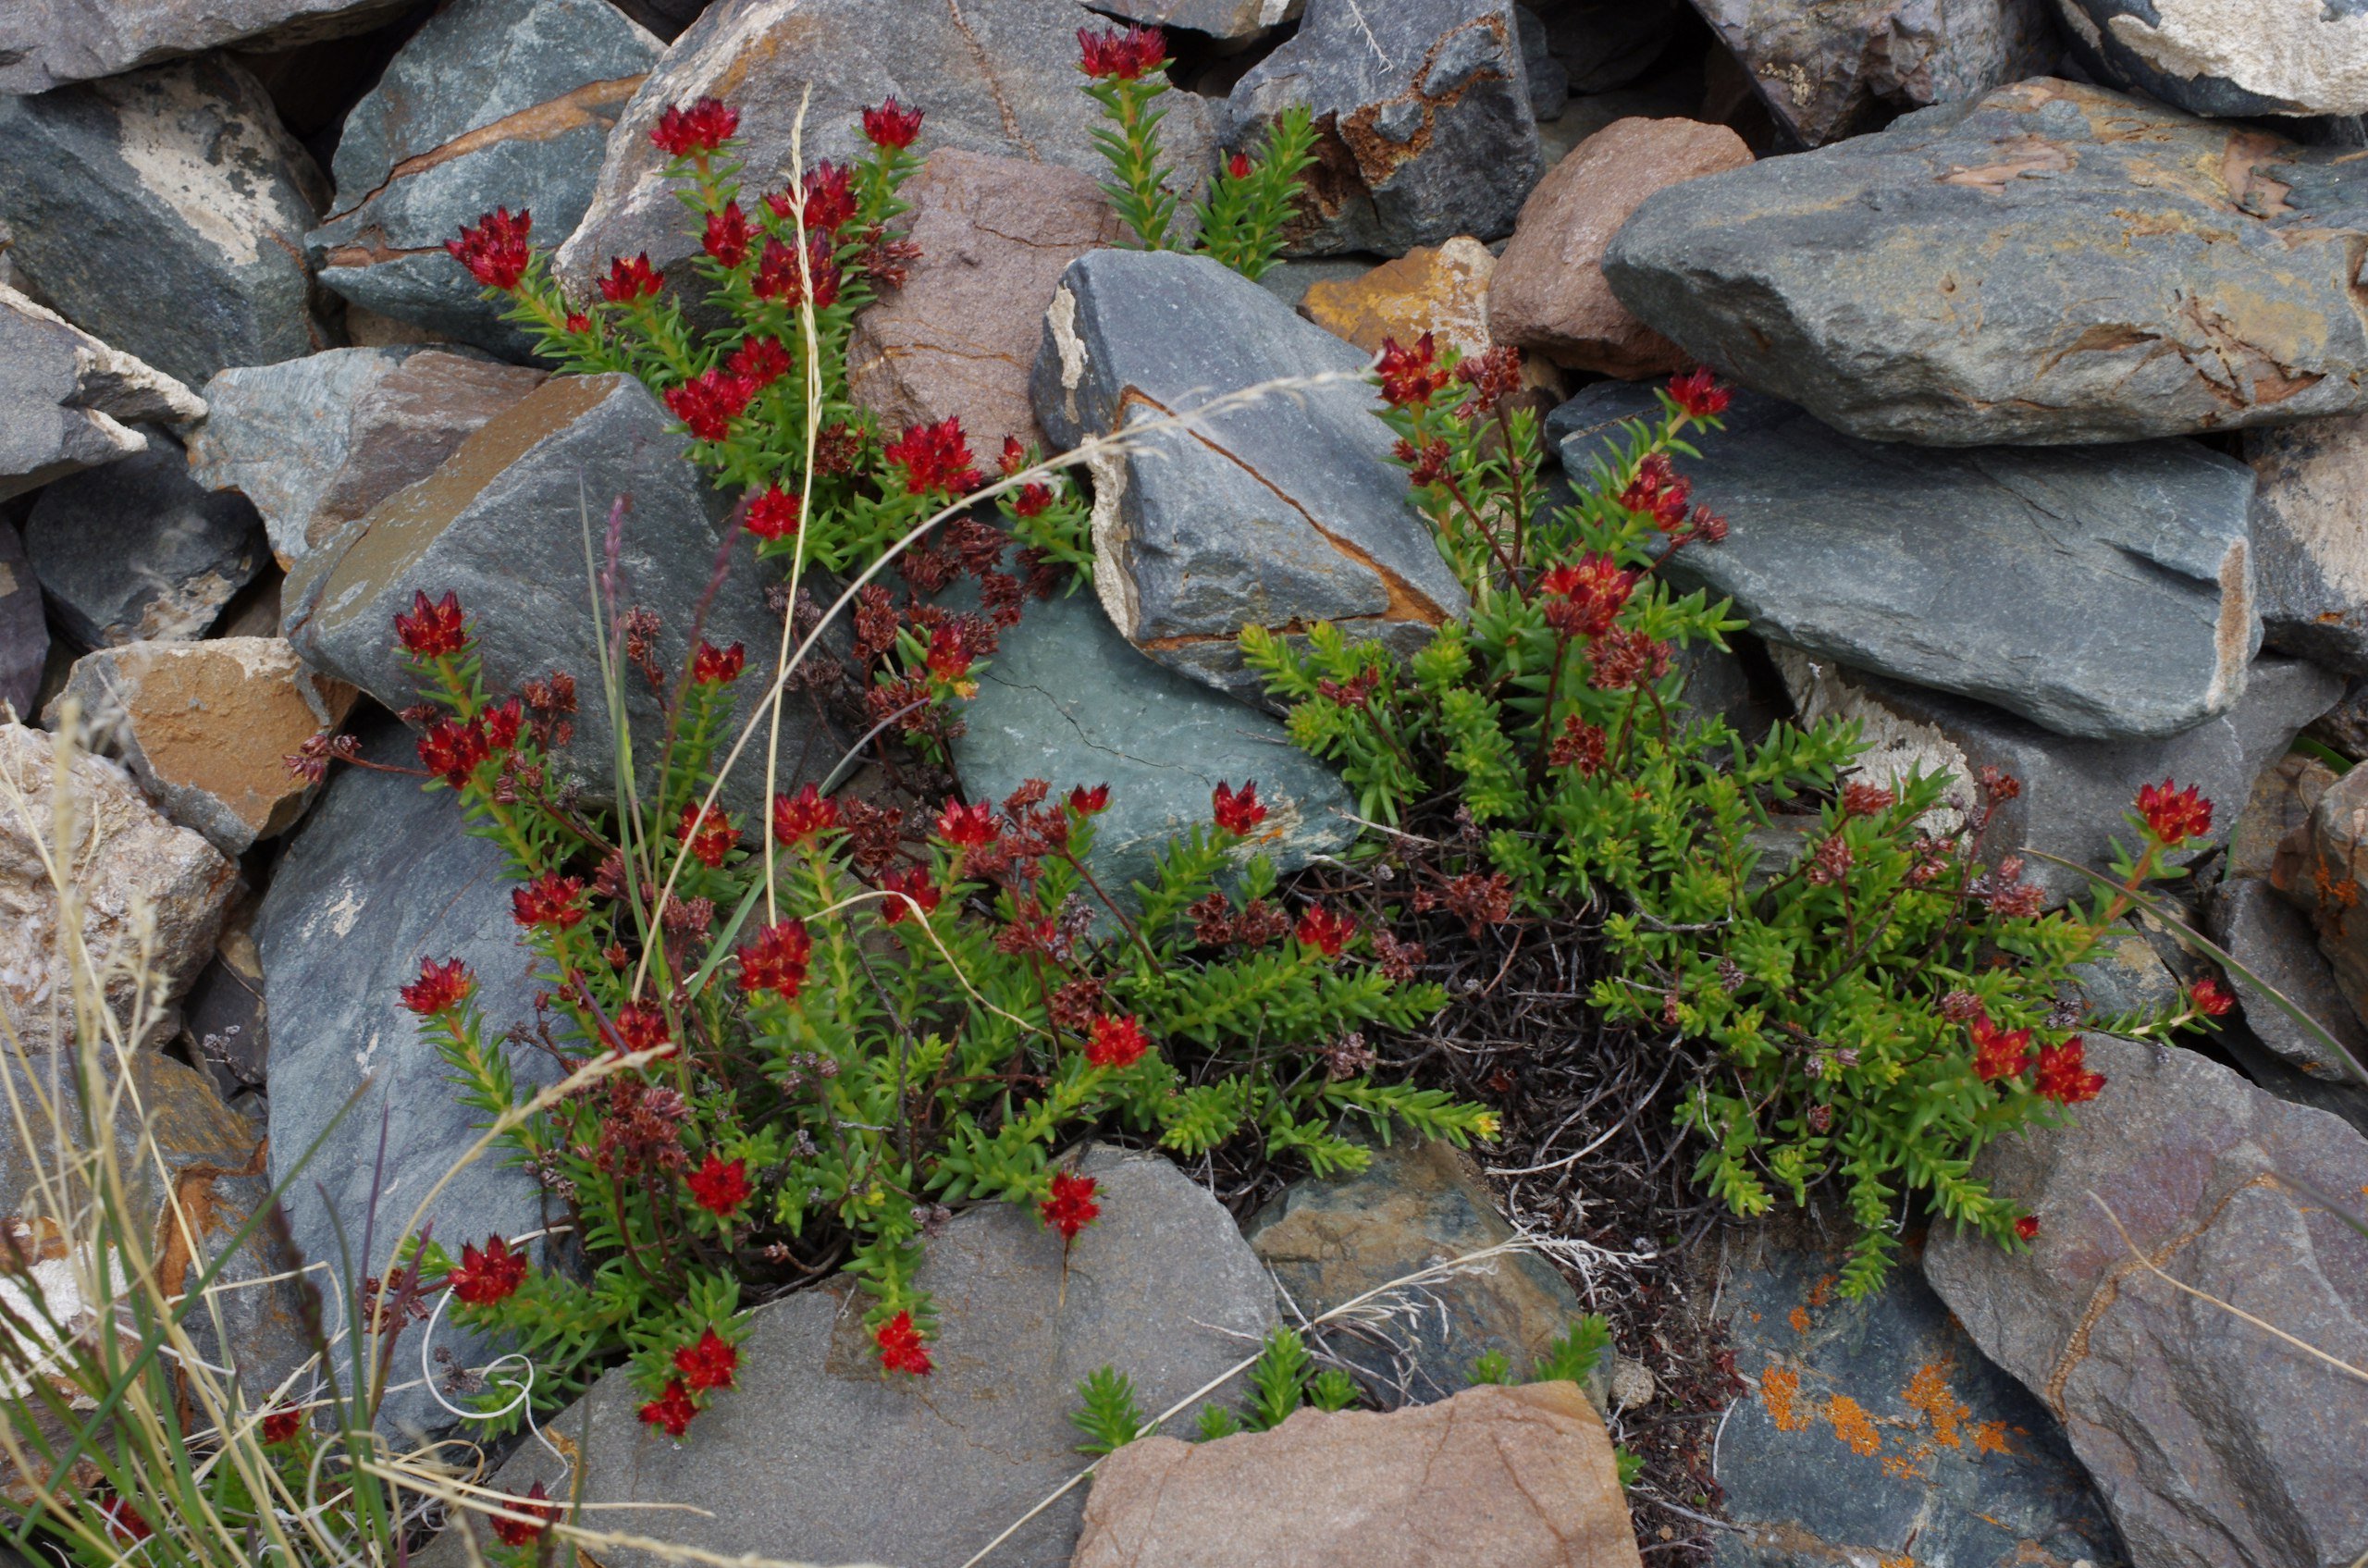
[(166, 212), (45, 43), (2230, 59), (2214, 1444), (380, 876), (2310, 552), (1875, 1430), (1425, 126), (2103, 592), (991, 76), (2274, 940), (493, 103), (818, 1456), (69, 401), (2049, 262), (1281, 512)]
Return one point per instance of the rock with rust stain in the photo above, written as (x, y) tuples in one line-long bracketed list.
[(2272, 940), (317, 442), (993, 76), (2051, 263), (206, 728), (494, 103), (139, 552), (46, 43), (1424, 124), (502, 525), (134, 867), (1511, 1477), (2214, 1443), (815, 1453), (1280, 511), (165, 211), (2324, 877), (2310, 549), (1874, 1430), (68, 401), (1442, 289), (2230, 59), (2271, 837), (2105, 593), (958, 340)]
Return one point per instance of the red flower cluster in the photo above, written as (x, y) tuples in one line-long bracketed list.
[(934, 457), (761, 362), (695, 132), (432, 630), (709, 832), (1659, 491), (710, 402), (640, 1028), (728, 235), (901, 886), (1123, 53), (550, 900), (800, 817), (830, 199), (2064, 1078), (949, 657), (713, 666), (966, 827), (1580, 746), (671, 1411), (1584, 597), (1326, 932), (483, 1277), (451, 751), (630, 280), (539, 1505), (439, 988), (495, 250), (709, 1364), (776, 960), (892, 125), (1238, 165), (2174, 816), (2209, 998), (778, 277), (1410, 375), (281, 1423), (1859, 799), (1091, 802), (1071, 1207), (1999, 1053), (773, 512), (719, 1186), (1237, 814), (2028, 1227), (1698, 393), (1116, 1043)]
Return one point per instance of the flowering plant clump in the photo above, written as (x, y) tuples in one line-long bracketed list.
[(1882, 1006)]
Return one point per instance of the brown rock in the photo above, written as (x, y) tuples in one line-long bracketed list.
[(206, 727), (1509, 1477), (2328, 879), (1550, 293), (1441, 289), (2271, 839), (959, 338), (126, 858)]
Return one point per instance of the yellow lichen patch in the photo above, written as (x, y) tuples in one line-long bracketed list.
[(1779, 1388), (1990, 1436), (1852, 1425), (1908, 1466), (1928, 1392), (1902, 1560), (1799, 1318)]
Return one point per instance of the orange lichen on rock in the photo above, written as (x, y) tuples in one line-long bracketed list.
[(1779, 1388), (1928, 1392), (1852, 1425), (1799, 1319), (1990, 1436)]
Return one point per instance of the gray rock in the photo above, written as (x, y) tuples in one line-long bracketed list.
[(2230, 59), (1549, 84), (166, 212), (2324, 875), (993, 76), (2271, 838), (819, 1455), (2214, 1444), (2125, 977), (2074, 791), (381, 876), (136, 551), (24, 627), (2274, 940), (45, 43), (1066, 699), (509, 524), (1282, 511), (1417, 1205), (494, 103), (2344, 728), (2309, 559), (1422, 115), (2020, 268), (317, 442), (2103, 592), (1237, 21), (1873, 1430), (68, 401)]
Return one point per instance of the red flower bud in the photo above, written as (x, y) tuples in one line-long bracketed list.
[(900, 1346), (772, 513), (481, 1278), (1237, 814), (432, 630), (630, 279), (494, 250), (719, 1186), (695, 132), (1071, 1207), (439, 988), (892, 125)]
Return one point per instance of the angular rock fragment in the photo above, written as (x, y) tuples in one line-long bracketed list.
[(2051, 263), (2309, 549), (494, 103), (2103, 592), (2231, 59), (1424, 127), (2124, 976), (1280, 512), (165, 211), (1442, 289), (68, 401), (2215, 1444), (2274, 940), (317, 442), (137, 552), (2271, 837), (45, 43)]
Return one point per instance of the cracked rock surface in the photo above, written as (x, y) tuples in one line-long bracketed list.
[(2049, 263), (2214, 1444)]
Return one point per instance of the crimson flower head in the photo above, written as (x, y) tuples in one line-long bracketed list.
[(760, 361), (1124, 53), (967, 827), (483, 1277), (778, 277), (710, 402), (1698, 393), (550, 900), (709, 1364), (2064, 1078), (495, 250), (537, 1503), (719, 1186), (281, 1423), (695, 132), (451, 751), (1237, 814), (892, 125), (1090, 802), (439, 988), (1326, 932), (713, 666), (934, 457), (628, 280), (776, 960), (709, 831), (1014, 456), (502, 724), (1116, 1043), (1032, 500), (2174, 816), (671, 1411), (1410, 375), (2210, 999), (900, 1346), (123, 1520), (2028, 1227), (728, 235), (1071, 1207), (431, 631), (640, 1028), (773, 512), (800, 817), (830, 198), (1999, 1053), (949, 657), (1238, 165), (902, 885), (1584, 597)]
